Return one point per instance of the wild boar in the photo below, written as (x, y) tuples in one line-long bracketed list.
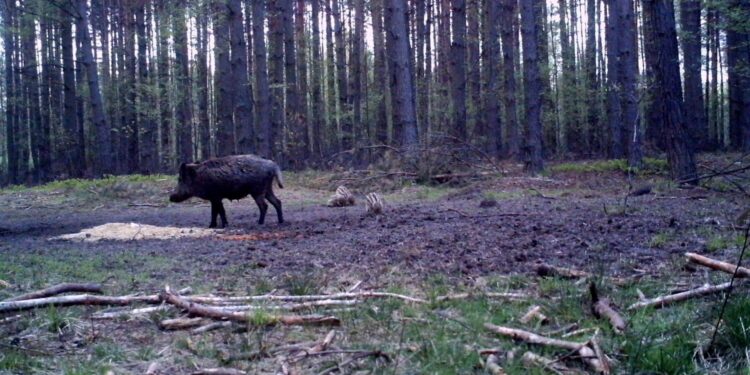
[(230, 177)]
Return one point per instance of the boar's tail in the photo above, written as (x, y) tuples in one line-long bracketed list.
[(279, 177)]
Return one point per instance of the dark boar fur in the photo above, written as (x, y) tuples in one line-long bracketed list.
[(230, 177)]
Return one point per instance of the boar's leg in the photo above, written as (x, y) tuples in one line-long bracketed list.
[(217, 209), (214, 212), (262, 205), (271, 197)]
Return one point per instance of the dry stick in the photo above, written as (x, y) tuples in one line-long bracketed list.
[(365, 295), (534, 312), (587, 353), (218, 371), (672, 298), (317, 348), (217, 313), (77, 299), (210, 327), (491, 364), (181, 323), (359, 354), (59, 289), (451, 297), (603, 308), (130, 313), (578, 332), (530, 359), (718, 265)]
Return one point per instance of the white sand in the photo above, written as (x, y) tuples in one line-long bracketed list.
[(133, 231)]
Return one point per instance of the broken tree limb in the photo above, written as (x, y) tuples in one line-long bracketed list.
[(217, 313), (492, 365), (672, 298), (530, 359), (583, 349), (129, 313), (317, 348), (181, 323), (457, 296), (210, 327), (602, 308), (218, 371), (59, 289), (534, 312), (77, 299), (718, 265), (266, 297)]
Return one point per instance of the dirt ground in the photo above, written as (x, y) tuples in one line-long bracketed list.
[(560, 220), (575, 220)]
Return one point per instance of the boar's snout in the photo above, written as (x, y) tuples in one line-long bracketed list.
[(177, 197)]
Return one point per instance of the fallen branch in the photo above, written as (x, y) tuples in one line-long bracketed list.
[(358, 354), (77, 299), (601, 307), (587, 353), (458, 296), (530, 359), (58, 289), (662, 301), (534, 312), (129, 313), (338, 296), (718, 265), (217, 313), (492, 365), (210, 327), (181, 323), (218, 371), (317, 348)]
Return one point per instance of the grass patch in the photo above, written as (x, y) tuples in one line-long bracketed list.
[(650, 165), (15, 361), (659, 240)]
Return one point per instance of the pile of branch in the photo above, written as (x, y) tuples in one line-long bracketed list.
[(703, 290), (589, 352)]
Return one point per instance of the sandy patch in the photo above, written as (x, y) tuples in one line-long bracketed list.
[(133, 231)]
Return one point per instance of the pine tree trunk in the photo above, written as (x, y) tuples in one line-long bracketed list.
[(131, 128), (182, 86), (294, 142), (567, 90), (149, 152), (404, 111), (303, 139), (509, 35), (8, 10), (44, 142), (165, 106), (331, 133), (592, 81), (344, 115), (490, 56), (458, 70), (379, 73), (318, 107), (653, 102), (73, 149), (357, 63), (530, 28), (690, 33), (204, 122), (474, 76), (667, 79), (243, 102), (276, 71), (30, 76), (628, 61), (225, 141), (614, 104), (265, 135), (738, 69), (103, 161)]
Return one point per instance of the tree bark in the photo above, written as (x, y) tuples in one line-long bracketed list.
[(344, 115), (73, 149), (163, 11), (303, 138), (532, 83), (184, 108), (690, 33), (509, 36), (265, 135), (318, 107), (8, 10), (204, 122), (614, 104), (276, 70), (474, 76), (225, 130), (628, 61), (149, 152), (592, 81), (103, 164), (738, 68), (490, 56), (458, 70), (404, 113), (243, 102), (292, 114), (131, 127), (30, 79), (379, 73), (667, 79)]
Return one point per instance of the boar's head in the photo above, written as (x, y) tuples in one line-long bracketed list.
[(185, 183)]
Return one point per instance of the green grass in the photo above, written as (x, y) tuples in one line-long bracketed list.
[(660, 240), (17, 361), (650, 165)]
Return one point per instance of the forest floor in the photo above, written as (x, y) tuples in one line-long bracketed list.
[(430, 241)]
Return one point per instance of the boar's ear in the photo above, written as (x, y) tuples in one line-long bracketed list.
[(189, 169)]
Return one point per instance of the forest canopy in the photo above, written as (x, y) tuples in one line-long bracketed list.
[(101, 87)]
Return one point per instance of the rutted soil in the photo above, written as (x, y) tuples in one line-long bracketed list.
[(453, 236)]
